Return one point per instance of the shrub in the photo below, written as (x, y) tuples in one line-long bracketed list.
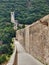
[(5, 52), (2, 58)]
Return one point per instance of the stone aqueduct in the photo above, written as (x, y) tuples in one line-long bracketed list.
[(35, 39)]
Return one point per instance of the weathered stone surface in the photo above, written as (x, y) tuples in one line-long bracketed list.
[(20, 35), (35, 39)]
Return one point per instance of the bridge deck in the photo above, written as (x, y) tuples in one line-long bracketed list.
[(24, 58)]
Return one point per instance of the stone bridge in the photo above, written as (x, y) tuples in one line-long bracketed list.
[(20, 57), (34, 44)]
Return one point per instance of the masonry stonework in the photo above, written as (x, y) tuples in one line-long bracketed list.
[(35, 39)]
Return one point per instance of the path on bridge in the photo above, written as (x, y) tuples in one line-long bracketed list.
[(23, 57)]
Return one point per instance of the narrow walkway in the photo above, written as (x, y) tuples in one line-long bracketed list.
[(24, 58), (19, 47)]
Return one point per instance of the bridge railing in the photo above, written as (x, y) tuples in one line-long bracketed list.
[(13, 58)]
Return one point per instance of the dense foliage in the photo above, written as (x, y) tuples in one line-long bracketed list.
[(27, 11), (5, 52)]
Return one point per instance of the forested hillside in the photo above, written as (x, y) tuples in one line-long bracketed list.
[(26, 12)]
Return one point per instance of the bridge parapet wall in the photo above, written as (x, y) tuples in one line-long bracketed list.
[(13, 59), (34, 39)]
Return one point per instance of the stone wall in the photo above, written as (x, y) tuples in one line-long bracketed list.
[(35, 39)]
